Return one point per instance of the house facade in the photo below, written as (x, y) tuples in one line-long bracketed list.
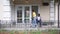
[(20, 11)]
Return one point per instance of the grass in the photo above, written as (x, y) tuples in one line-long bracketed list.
[(5, 30), (53, 31), (32, 32)]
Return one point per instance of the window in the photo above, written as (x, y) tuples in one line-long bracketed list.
[(19, 16)]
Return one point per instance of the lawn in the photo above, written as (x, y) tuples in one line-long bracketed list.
[(30, 32)]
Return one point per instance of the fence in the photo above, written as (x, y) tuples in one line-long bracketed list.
[(23, 26)]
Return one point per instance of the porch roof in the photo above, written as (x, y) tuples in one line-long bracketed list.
[(29, 1)]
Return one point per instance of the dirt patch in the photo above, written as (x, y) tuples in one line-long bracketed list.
[(4, 33), (18, 32), (45, 33), (29, 32)]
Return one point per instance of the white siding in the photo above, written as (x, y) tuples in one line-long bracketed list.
[(6, 10), (1, 9)]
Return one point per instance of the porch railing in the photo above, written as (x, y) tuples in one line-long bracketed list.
[(11, 24)]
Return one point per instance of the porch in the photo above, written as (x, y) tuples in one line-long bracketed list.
[(16, 17)]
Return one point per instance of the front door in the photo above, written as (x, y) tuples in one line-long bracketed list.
[(23, 14)]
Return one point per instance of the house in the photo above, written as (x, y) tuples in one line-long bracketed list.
[(20, 11)]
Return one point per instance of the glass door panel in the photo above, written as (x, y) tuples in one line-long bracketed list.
[(23, 14), (35, 8), (27, 14), (19, 15)]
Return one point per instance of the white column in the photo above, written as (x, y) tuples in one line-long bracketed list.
[(56, 15), (52, 11)]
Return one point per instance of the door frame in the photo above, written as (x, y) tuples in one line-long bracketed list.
[(22, 12), (16, 6)]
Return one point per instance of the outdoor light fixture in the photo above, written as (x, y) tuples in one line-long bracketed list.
[(26, 1)]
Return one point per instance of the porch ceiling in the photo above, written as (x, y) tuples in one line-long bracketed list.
[(27, 1)]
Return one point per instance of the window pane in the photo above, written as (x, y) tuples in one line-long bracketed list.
[(27, 14), (19, 16), (35, 8), (19, 20)]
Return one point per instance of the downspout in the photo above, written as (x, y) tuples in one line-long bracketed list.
[(58, 13)]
